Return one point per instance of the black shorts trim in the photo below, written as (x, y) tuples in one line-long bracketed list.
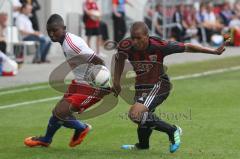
[(152, 97)]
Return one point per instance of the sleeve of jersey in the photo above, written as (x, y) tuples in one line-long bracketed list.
[(173, 47), (124, 47), (80, 47)]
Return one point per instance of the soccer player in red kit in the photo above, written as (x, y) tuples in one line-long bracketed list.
[(80, 94), (152, 85)]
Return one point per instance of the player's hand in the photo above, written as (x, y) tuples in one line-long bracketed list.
[(222, 48), (116, 89)]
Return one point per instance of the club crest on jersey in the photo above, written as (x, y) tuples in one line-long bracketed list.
[(153, 58), (125, 44)]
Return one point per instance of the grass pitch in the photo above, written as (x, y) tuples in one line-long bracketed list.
[(207, 109)]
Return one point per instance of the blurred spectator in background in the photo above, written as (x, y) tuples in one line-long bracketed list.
[(91, 20), (16, 9), (148, 13), (211, 23), (3, 25), (189, 16), (29, 34), (200, 14), (158, 22), (35, 8), (226, 13), (104, 32), (236, 8), (235, 22), (234, 30), (119, 21), (178, 32), (191, 33)]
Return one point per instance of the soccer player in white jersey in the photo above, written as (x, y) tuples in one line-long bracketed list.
[(80, 95)]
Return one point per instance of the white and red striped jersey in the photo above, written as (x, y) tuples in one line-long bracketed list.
[(74, 46)]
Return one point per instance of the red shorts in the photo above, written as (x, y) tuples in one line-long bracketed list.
[(82, 96)]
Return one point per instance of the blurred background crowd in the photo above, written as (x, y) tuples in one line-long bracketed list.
[(203, 22), (196, 21)]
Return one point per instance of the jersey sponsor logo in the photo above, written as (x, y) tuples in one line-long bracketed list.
[(153, 58), (142, 66)]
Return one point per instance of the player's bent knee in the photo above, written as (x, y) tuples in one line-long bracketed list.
[(62, 110), (136, 112), (138, 117), (134, 116)]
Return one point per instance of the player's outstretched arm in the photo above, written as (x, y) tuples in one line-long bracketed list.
[(118, 69), (200, 49), (97, 61)]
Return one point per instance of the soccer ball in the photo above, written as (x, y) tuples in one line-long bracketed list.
[(99, 76)]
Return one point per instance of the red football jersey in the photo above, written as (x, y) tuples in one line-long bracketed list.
[(148, 64)]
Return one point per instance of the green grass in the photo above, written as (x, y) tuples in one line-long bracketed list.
[(207, 108), (195, 67)]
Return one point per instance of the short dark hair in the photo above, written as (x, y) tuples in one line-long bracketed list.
[(24, 5), (140, 26), (55, 18)]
